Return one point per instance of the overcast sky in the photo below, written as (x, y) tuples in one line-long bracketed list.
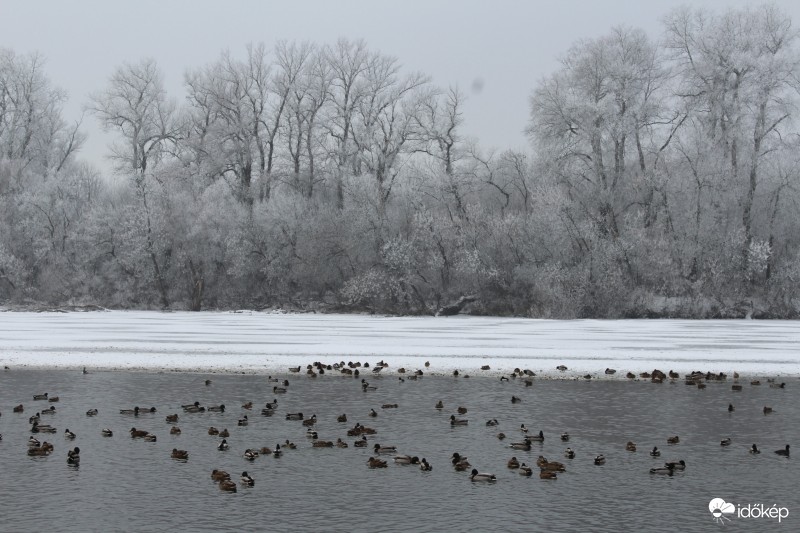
[(508, 45)]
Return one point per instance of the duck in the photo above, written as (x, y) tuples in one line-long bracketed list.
[(311, 434), (655, 452), (219, 475), (482, 476), (216, 408), (610, 371), (731, 408), (69, 434), (425, 466), (289, 445), (33, 442), (294, 369), (631, 447), (310, 421), (562, 368), (767, 410), (725, 442), (248, 405), (40, 451), (564, 436), (754, 449), (227, 485), (673, 440), (106, 432), (341, 418), (250, 455), (34, 419), (458, 421), (600, 460), (271, 405), (523, 429), (362, 443), (322, 444), (172, 418), (536, 438), (150, 438), (784, 452), (569, 453), (340, 443), (134, 411), (294, 416), (439, 405), (515, 399), (525, 446), (676, 465), (242, 421), (374, 462), (277, 452), (373, 413), (246, 480), (40, 396), (18, 408), (222, 446), (91, 412), (225, 433), (501, 435), (138, 433), (53, 399), (74, 457), (49, 411), (513, 463), (174, 430), (182, 455), (406, 460), (270, 379), (462, 410), (459, 461), (553, 466), (525, 470), (384, 449), (207, 382), (664, 470), (278, 390), (547, 474), (213, 431)]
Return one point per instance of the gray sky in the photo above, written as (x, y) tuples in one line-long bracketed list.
[(507, 44)]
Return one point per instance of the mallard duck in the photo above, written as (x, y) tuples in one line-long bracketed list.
[(134, 411), (216, 408), (213, 431), (655, 452), (174, 430), (600, 460), (501, 435), (777, 385), (34, 419), (242, 421), (340, 443), (248, 405), (630, 375), (525, 446), (389, 406), (68, 434), (553, 466), (250, 455), (754, 449), (227, 485), (294, 416), (731, 408), (547, 474), (311, 434), (271, 405), (458, 421), (310, 421), (362, 443), (33, 442), (49, 411), (150, 438), (322, 444), (341, 418), (459, 462), (182, 455), (676, 465), (277, 452), (222, 446), (515, 399), (726, 442), (564, 436), (246, 480), (91, 412), (784, 452), (406, 460), (172, 418), (569, 454), (425, 466), (439, 405), (536, 438), (767, 410), (207, 382), (40, 396), (525, 470), (138, 433), (373, 413), (278, 390), (294, 369), (384, 449), (53, 399), (106, 432), (18, 408), (562, 368), (631, 447), (74, 457), (219, 475), (513, 463), (462, 410), (479, 476), (289, 445), (673, 440), (667, 470), (374, 462)]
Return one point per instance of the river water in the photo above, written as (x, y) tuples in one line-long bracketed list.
[(128, 484)]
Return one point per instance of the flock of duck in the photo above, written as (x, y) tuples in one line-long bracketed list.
[(381, 454)]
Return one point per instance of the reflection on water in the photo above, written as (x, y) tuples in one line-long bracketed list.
[(127, 484)]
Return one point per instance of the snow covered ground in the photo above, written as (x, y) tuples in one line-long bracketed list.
[(268, 342)]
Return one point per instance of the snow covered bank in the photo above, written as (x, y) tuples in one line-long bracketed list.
[(265, 342)]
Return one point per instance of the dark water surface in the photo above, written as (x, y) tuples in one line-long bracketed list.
[(132, 485)]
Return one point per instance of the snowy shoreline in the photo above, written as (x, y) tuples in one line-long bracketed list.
[(270, 343)]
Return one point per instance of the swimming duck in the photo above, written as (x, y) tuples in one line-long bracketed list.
[(485, 477), (18, 408), (389, 406), (106, 432), (462, 410), (219, 475), (34, 419), (227, 485), (134, 411), (525, 446), (600, 460), (564, 436), (40, 396), (68, 434), (242, 421), (74, 457), (767, 410), (248, 405), (33, 442), (726, 442), (49, 411), (562, 368), (150, 437), (294, 369), (208, 382), (459, 462), (501, 435), (610, 371), (91, 412), (341, 418), (439, 405), (569, 454), (754, 449), (523, 429), (213, 431), (250, 455), (53, 399), (222, 446), (384, 449), (216, 408), (172, 418), (513, 463), (425, 466), (310, 421), (777, 385), (294, 416), (289, 445), (374, 462), (458, 421), (784, 452), (673, 440), (373, 413), (731, 408), (655, 452), (676, 465), (631, 447), (322, 444), (547, 474), (630, 375), (515, 399), (536, 438), (340, 443), (138, 433), (667, 470), (278, 390), (277, 452), (361, 443), (225, 433), (406, 460), (525, 470), (271, 405), (553, 466), (182, 455), (174, 430), (311, 434), (246, 480)]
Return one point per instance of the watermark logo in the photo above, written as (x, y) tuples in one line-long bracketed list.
[(723, 511)]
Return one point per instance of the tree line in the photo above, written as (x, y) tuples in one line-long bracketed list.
[(660, 181)]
